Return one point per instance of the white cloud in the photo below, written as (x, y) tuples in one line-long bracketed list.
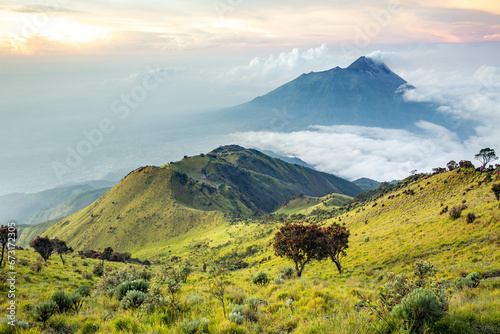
[(386, 57), (284, 66), (475, 98), (355, 151)]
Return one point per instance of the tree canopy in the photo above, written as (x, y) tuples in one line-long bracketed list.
[(485, 156), (61, 248), (336, 242), (43, 246), (305, 243)]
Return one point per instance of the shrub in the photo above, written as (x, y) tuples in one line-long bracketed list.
[(23, 262), (195, 326), (287, 273), (98, 270), (36, 267), (63, 301), (8, 326), (471, 281), (111, 279), (456, 211), (87, 275), (184, 272), (253, 303), (419, 307), (89, 328), (496, 190), (279, 281), (84, 290), (125, 325), (261, 279), (236, 315), (43, 311), (76, 301), (397, 288), (123, 288), (471, 217), (133, 299), (474, 278), (233, 329)]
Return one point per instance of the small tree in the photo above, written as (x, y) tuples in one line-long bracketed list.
[(61, 248), (452, 165), (485, 156), (336, 242), (217, 285), (43, 246), (301, 244), (465, 164), (6, 233), (106, 255)]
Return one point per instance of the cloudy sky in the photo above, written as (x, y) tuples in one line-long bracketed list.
[(122, 75)]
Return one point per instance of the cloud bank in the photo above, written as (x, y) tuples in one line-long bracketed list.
[(386, 154), (353, 151)]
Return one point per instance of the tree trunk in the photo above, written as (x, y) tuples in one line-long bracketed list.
[(339, 267), (223, 307), (297, 270), (336, 259), (1, 259), (64, 263)]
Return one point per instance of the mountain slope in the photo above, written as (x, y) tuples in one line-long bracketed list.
[(30, 208), (64, 209), (389, 233), (366, 93), (290, 160), (26, 233), (153, 204), (264, 182), (366, 183)]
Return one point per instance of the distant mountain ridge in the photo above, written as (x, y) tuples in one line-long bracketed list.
[(290, 160), (366, 183), (50, 204)]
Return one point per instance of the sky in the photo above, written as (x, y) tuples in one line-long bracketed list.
[(114, 81)]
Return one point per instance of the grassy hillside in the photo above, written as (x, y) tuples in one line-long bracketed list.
[(134, 213), (262, 180), (153, 204), (64, 209), (26, 233), (306, 204), (388, 234), (407, 225)]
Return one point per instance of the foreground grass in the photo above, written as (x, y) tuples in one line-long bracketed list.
[(311, 304)]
